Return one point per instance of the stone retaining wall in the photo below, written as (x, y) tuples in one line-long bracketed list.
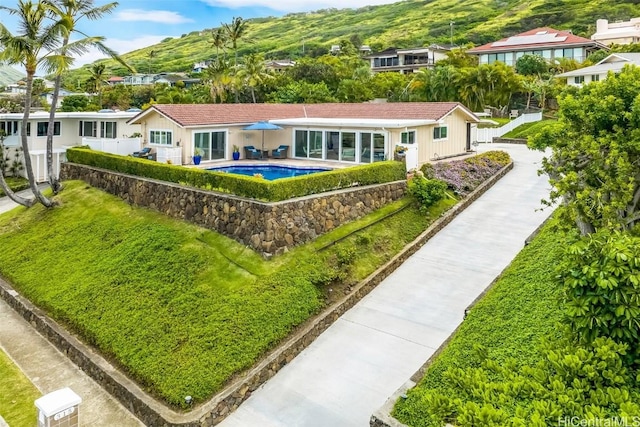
[(152, 412), (268, 228)]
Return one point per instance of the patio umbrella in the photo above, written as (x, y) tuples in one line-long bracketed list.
[(262, 126)]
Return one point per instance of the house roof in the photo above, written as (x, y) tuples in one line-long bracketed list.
[(194, 115), (614, 62), (538, 38)]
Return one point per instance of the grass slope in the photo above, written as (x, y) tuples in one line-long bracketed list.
[(509, 321), (403, 24), (180, 308), (528, 129), (17, 395)]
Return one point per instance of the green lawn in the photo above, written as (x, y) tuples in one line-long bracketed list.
[(528, 129), (509, 321), (16, 184), (17, 395), (179, 307)]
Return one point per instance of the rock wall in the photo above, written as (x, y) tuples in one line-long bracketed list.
[(498, 140), (269, 228)]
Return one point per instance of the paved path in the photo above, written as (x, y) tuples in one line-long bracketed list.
[(356, 364), (49, 370)]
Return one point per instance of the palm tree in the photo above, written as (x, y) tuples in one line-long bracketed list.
[(235, 31), (97, 79), (152, 54), (220, 81), (253, 72), (34, 46), (219, 41), (69, 12)]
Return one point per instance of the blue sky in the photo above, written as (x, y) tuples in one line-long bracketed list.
[(138, 23)]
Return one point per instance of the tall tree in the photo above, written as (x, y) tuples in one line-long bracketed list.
[(96, 80), (253, 72), (235, 31), (594, 165), (34, 46), (219, 41), (69, 12)]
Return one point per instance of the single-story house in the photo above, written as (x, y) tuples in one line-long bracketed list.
[(612, 63), (97, 129), (548, 43), (348, 133)]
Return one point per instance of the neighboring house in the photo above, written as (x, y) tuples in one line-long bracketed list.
[(623, 32), (139, 79), (70, 129), (199, 67), (279, 65), (406, 60), (62, 94), (348, 133), (612, 63), (115, 80), (549, 43)]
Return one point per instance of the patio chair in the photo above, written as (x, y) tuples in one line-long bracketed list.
[(514, 114), (144, 153), (280, 152), (250, 152)]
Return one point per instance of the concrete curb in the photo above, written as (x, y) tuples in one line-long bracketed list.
[(153, 412)]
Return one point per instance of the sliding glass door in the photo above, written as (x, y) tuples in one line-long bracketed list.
[(212, 145)]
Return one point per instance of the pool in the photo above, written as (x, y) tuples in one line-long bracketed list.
[(269, 172)]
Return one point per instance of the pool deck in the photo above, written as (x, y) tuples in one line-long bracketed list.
[(299, 163)]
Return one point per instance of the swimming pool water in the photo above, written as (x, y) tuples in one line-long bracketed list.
[(269, 172)]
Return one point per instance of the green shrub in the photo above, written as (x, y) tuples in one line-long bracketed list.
[(255, 188), (426, 191)]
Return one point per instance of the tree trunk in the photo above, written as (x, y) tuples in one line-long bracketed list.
[(25, 146), (53, 180), (13, 196)]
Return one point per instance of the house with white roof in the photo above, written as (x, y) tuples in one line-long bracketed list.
[(406, 60), (546, 42), (622, 32), (613, 63)]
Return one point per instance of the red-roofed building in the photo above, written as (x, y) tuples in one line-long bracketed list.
[(115, 80), (352, 133), (549, 43)]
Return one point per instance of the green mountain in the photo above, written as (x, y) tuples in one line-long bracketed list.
[(407, 23), (9, 75)]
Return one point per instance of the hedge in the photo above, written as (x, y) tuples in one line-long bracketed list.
[(255, 188)]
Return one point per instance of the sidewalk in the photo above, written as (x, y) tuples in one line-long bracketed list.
[(360, 361), (49, 370)]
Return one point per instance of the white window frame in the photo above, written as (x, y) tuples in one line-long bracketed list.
[(441, 138), (210, 131), (409, 132), (94, 127), (167, 132), (56, 126), (103, 129), (578, 80)]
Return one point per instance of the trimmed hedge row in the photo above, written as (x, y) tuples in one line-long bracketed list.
[(255, 188)]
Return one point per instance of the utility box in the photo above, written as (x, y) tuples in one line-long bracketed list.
[(59, 409)]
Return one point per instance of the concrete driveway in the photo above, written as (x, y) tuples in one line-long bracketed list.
[(356, 364)]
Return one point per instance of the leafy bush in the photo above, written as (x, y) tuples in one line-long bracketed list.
[(426, 191), (283, 189), (601, 275), (464, 176)]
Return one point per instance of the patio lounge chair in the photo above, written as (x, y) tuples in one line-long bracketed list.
[(280, 152), (144, 153), (250, 152)]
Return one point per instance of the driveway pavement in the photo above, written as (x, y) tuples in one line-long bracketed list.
[(360, 361)]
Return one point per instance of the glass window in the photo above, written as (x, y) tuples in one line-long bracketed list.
[(567, 53), (9, 127), (202, 142), (315, 144), (218, 145), (348, 149), (300, 145), (28, 128), (595, 78), (365, 147), (408, 137), (44, 126), (88, 128), (332, 142), (440, 132), (578, 79), (108, 130), (212, 145), (163, 137), (378, 147)]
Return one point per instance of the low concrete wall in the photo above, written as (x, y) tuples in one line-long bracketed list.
[(268, 228), (151, 411), (522, 141)]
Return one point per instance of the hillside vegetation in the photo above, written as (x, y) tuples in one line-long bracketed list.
[(9, 75), (403, 24)]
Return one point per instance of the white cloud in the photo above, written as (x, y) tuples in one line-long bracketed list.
[(121, 46), (296, 5), (161, 16)]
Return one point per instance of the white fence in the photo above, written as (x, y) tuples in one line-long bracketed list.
[(121, 146), (487, 134), (170, 154)]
